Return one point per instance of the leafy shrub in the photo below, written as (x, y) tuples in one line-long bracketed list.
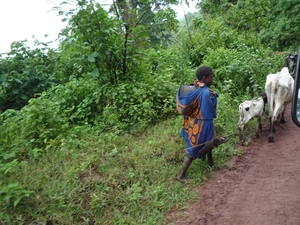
[(36, 126), (142, 103), (206, 35), (81, 100), (12, 194), (244, 67), (24, 73)]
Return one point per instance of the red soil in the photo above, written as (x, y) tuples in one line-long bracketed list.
[(262, 186)]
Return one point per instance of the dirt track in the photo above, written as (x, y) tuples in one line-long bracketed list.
[(260, 187)]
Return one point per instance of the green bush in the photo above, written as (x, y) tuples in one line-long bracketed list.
[(24, 73), (243, 67), (142, 103)]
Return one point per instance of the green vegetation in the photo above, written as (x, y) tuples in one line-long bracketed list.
[(90, 132)]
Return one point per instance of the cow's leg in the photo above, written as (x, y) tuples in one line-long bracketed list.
[(271, 134), (241, 133), (282, 119), (259, 123), (272, 129), (258, 127)]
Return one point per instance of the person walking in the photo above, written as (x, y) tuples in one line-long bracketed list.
[(199, 108)]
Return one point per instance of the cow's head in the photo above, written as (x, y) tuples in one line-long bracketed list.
[(291, 61)]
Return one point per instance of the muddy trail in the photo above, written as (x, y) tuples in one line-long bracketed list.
[(260, 187)]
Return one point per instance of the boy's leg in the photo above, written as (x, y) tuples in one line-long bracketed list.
[(186, 164)]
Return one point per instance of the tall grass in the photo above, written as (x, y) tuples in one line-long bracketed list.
[(86, 176)]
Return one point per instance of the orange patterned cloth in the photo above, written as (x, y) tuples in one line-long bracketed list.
[(199, 109)]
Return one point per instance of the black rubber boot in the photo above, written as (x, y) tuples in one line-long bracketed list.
[(214, 142), (220, 140), (186, 164)]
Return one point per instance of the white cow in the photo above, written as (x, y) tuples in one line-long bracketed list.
[(250, 109), (279, 89)]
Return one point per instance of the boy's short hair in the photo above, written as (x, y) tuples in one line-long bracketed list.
[(203, 71)]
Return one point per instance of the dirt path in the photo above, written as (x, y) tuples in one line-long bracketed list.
[(261, 187)]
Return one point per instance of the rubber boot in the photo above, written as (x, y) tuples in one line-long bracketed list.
[(186, 164), (207, 147), (214, 142), (220, 140)]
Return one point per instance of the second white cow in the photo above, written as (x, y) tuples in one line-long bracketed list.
[(279, 89), (250, 109)]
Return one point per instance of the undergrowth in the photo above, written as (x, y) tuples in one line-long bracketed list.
[(106, 178), (87, 176)]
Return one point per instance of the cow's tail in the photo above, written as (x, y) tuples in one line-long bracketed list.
[(273, 92)]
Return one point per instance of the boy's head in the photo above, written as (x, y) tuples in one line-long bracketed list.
[(205, 75)]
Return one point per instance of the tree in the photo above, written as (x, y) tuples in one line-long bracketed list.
[(216, 7), (144, 24), (283, 25), (111, 45), (249, 16), (25, 73), (92, 43), (156, 16)]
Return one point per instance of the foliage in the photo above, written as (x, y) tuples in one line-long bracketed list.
[(89, 133), (282, 31), (12, 194), (92, 174), (225, 125), (212, 8), (249, 17), (92, 44), (36, 125), (144, 104), (81, 101), (206, 34), (156, 17), (243, 67), (24, 73)]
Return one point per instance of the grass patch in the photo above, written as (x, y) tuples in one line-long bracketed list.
[(88, 177)]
